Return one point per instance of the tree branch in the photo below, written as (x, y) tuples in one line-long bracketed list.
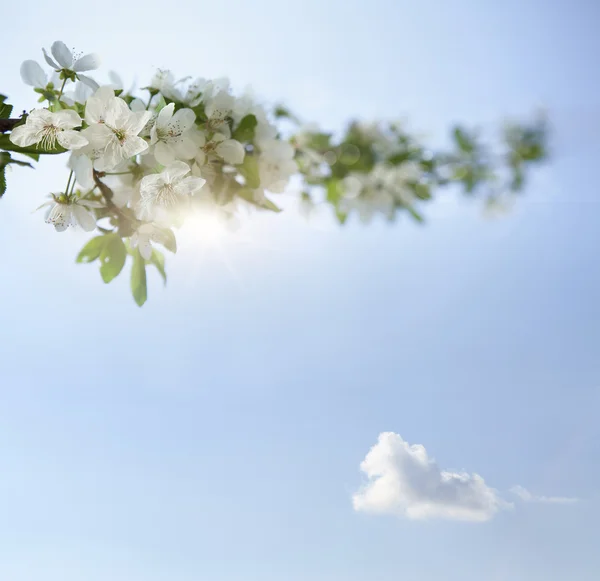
[(9, 124)]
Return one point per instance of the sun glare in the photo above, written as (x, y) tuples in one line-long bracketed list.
[(207, 228)]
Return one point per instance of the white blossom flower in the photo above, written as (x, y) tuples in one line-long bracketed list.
[(164, 82), (229, 150), (217, 109), (143, 237), (47, 128), (169, 187), (276, 165), (116, 135), (80, 94), (65, 211), (98, 104), (66, 61), (202, 90), (33, 75), (171, 136), (399, 180)]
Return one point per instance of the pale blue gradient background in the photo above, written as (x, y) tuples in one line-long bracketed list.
[(216, 434)]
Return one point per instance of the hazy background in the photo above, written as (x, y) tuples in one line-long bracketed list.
[(217, 432)]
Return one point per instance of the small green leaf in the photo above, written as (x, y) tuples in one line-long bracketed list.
[(2, 180), (138, 279), (265, 203), (112, 257), (5, 110), (160, 105), (269, 205), (91, 251), (166, 237), (415, 214), (422, 191), (158, 260), (245, 130), (319, 141), (249, 169), (464, 141), (334, 191), (21, 163), (341, 216), (280, 111)]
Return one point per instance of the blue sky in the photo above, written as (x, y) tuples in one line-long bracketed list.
[(218, 432)]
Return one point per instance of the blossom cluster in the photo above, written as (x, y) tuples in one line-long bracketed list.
[(138, 165)]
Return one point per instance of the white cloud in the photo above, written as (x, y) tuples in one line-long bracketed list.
[(405, 482), (526, 496)]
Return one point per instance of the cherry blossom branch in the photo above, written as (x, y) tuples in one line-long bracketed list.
[(9, 124)]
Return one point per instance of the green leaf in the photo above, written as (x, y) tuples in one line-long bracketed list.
[(91, 251), (160, 105), (245, 130), (415, 214), (319, 141), (422, 191), (249, 169), (269, 205), (341, 216), (2, 180), (166, 237), (112, 257), (158, 260), (265, 203), (464, 141), (280, 111), (399, 158), (334, 191), (5, 110), (138, 279), (21, 163), (8, 145)]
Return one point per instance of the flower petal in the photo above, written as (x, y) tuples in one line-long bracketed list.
[(33, 75), (112, 156), (67, 119), (136, 121), (97, 105), (145, 247), (83, 168), (164, 153), (62, 54), (89, 62), (116, 81), (133, 146), (183, 120), (49, 60), (185, 148), (88, 81), (189, 185), (175, 171), (137, 106), (60, 216), (24, 136), (83, 217), (70, 139), (231, 151), (164, 116)]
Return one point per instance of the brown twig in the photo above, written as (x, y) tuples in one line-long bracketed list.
[(126, 223), (9, 124)]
